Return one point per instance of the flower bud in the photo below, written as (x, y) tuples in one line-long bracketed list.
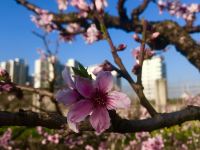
[(121, 47)]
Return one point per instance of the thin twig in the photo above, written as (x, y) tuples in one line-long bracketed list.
[(142, 52), (137, 88)]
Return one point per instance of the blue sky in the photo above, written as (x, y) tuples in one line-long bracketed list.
[(17, 40)]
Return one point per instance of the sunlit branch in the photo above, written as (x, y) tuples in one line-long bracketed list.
[(118, 125)]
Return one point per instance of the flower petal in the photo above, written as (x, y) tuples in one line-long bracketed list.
[(67, 96), (73, 126), (67, 78), (84, 86), (80, 110), (104, 81), (100, 119), (97, 69), (118, 100)]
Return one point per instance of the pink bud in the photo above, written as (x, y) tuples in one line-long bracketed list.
[(136, 69), (121, 47), (155, 35), (136, 38)]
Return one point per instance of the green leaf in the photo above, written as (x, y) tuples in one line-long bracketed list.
[(81, 71)]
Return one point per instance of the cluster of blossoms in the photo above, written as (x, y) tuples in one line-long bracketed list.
[(51, 138), (72, 28), (191, 100), (82, 5), (143, 141), (5, 139), (5, 81), (147, 52), (44, 20), (176, 8), (93, 98)]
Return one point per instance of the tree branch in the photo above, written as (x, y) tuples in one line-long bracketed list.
[(118, 125), (121, 10), (137, 88), (37, 91), (193, 29), (140, 9)]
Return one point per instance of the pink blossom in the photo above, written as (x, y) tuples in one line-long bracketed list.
[(101, 4), (136, 69), (2, 72), (194, 8), (39, 130), (142, 135), (97, 100), (53, 138), (155, 143), (5, 139), (105, 66), (92, 34), (62, 4), (155, 35), (176, 8), (161, 5), (136, 38), (89, 147), (7, 87), (69, 95), (44, 20), (73, 27), (80, 4), (121, 47), (44, 141), (148, 53)]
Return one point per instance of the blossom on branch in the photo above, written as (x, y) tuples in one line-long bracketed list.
[(105, 66), (97, 100), (5, 139), (154, 143), (176, 8), (80, 4), (62, 4), (92, 34), (73, 28), (100, 5), (44, 20), (91, 97)]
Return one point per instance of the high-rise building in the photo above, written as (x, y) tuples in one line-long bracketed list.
[(153, 70), (17, 69), (44, 73), (71, 63)]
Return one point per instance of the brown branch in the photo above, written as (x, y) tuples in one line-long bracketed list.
[(37, 91), (118, 125), (44, 39), (137, 88), (121, 10), (142, 51), (193, 29), (32, 119), (140, 9)]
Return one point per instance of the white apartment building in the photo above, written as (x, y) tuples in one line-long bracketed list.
[(17, 69), (71, 63), (44, 73), (153, 70)]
